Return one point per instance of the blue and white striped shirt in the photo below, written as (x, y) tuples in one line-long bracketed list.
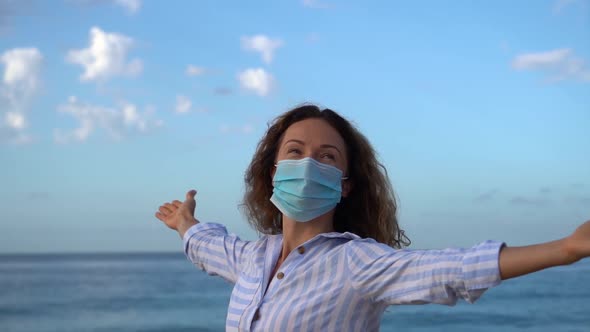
[(334, 281)]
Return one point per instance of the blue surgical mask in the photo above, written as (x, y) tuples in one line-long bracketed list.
[(305, 189)]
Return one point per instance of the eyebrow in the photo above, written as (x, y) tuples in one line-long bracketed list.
[(323, 146)]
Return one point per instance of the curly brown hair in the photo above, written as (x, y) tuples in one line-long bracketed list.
[(370, 208)]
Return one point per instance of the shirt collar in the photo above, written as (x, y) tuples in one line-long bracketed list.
[(330, 235), (337, 235)]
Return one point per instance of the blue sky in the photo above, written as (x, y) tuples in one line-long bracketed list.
[(480, 112)]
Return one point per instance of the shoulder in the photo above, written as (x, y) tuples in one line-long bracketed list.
[(368, 245), (361, 252)]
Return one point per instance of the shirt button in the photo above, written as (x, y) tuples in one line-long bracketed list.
[(301, 250), (280, 275)]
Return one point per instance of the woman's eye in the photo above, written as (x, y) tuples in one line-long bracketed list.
[(295, 151), (328, 156)]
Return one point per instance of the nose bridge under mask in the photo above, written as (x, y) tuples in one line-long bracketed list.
[(296, 168)]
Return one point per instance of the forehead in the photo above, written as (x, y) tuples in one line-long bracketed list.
[(314, 132)]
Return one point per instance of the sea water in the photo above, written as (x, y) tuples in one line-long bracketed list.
[(164, 292)]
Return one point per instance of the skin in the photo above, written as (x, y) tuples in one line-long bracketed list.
[(315, 138)]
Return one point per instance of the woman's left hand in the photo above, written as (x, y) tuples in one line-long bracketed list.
[(577, 245)]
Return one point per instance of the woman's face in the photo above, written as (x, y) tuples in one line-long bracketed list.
[(316, 139)]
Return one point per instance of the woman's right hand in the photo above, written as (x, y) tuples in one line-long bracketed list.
[(179, 215)]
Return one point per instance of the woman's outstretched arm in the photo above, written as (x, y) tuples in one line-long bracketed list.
[(207, 245), (518, 261)]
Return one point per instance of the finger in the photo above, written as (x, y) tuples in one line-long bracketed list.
[(191, 194), (160, 216), (177, 203), (164, 210), (171, 206)]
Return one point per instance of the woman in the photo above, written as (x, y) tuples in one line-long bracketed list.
[(330, 257)]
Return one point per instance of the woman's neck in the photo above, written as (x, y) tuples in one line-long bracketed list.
[(296, 233)]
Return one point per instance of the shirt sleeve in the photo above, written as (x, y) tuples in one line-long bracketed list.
[(209, 247), (392, 276)]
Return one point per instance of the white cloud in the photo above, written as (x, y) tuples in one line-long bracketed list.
[(192, 70), (256, 80), (116, 122), (105, 57), (15, 120), (131, 116), (532, 60), (183, 104), (20, 83), (263, 45), (558, 64), (132, 6), (22, 66)]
